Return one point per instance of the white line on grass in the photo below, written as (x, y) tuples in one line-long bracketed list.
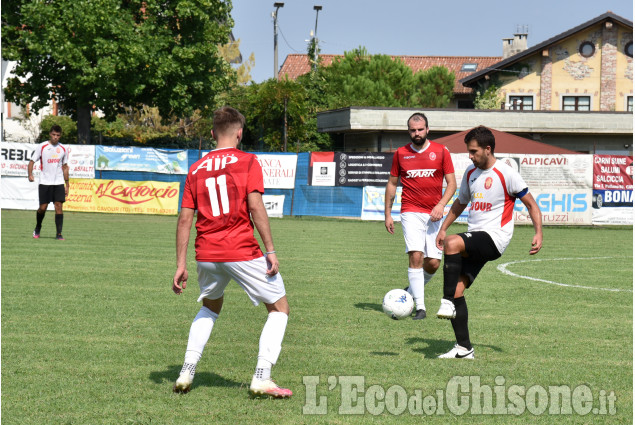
[(503, 268)]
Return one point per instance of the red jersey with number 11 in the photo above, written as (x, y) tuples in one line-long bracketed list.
[(217, 186)]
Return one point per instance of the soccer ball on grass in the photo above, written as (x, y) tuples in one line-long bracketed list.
[(398, 304)]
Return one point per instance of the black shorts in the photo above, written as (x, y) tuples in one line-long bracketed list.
[(51, 193), (480, 249)]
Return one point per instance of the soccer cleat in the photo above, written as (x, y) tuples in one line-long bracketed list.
[(36, 234), (184, 381), (458, 352), (447, 310), (268, 387), (59, 237), (420, 314)]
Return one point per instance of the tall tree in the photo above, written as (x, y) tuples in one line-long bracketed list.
[(361, 79), (109, 54)]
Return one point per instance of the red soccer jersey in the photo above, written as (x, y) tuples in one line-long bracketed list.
[(421, 176), (217, 186)]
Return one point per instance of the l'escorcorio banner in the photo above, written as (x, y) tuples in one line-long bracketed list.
[(16, 157), (121, 196), (130, 158)]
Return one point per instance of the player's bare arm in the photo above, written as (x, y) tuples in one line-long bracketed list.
[(389, 199), (455, 211), (183, 227), (536, 218), (437, 212), (261, 221), (65, 169), (30, 168)]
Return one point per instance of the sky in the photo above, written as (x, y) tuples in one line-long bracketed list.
[(405, 27)]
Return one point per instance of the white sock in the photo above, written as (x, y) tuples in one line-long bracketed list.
[(200, 331), (416, 280), (427, 276), (270, 343)]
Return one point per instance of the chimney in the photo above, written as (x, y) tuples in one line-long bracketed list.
[(512, 46)]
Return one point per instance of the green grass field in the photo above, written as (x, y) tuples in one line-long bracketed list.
[(92, 333)]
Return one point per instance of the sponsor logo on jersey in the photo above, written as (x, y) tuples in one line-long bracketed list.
[(216, 163), (408, 157), (481, 206), (433, 156), (53, 160), (488, 182), (411, 174)]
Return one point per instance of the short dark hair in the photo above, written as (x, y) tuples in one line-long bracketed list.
[(227, 118), (483, 136), (418, 116), (56, 128)]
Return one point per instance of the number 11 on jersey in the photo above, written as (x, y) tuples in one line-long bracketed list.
[(211, 183)]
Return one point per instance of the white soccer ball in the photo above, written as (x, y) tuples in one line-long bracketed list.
[(398, 304)]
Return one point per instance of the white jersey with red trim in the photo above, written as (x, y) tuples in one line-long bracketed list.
[(492, 193), (52, 158)]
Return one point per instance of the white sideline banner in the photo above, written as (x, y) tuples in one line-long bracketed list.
[(18, 193), (274, 204), (16, 157)]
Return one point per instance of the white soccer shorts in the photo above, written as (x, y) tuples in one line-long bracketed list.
[(420, 234), (250, 275)]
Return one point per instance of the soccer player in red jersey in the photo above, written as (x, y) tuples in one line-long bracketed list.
[(226, 187), (54, 182), (422, 167)]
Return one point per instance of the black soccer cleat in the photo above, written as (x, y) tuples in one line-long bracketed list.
[(420, 314)]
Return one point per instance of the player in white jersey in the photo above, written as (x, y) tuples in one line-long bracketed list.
[(53, 185), (492, 187)]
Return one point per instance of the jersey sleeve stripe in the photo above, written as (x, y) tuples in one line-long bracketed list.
[(508, 208)]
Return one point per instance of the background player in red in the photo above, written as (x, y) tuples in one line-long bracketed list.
[(492, 187), (422, 166), (225, 187), (54, 183)]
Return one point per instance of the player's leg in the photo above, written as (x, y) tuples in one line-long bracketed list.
[(478, 249), (416, 283), (454, 249), (252, 277), (44, 198), (59, 198), (414, 230), (212, 282), (269, 349)]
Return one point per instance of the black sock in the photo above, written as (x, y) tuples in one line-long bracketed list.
[(59, 221), (459, 324), (451, 274), (38, 219)]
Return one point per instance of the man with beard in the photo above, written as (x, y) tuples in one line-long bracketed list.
[(422, 165)]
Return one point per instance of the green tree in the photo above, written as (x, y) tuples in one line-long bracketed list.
[(109, 54), (361, 79), (433, 88), (231, 53), (488, 98)]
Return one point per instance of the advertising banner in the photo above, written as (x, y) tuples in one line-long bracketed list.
[(124, 197), (16, 157), (278, 171), (351, 168), (274, 205), (612, 189), (18, 193), (373, 204), (130, 158)]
